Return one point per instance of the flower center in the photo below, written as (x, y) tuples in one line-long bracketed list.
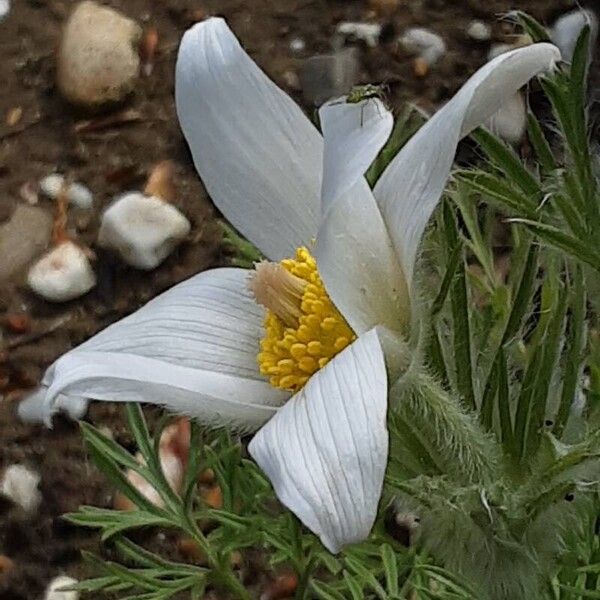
[(303, 329)]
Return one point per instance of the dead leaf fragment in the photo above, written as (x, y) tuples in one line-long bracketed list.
[(161, 181), (13, 116), (148, 49)]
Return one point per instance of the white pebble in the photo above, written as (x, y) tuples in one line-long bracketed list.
[(479, 31), (77, 193), (426, 44), (567, 28), (510, 122), (52, 184), (62, 581), (62, 274), (4, 8), (143, 230), (367, 32), (498, 49), (80, 196), (20, 484), (297, 44)]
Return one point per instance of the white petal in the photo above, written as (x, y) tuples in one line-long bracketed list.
[(32, 408), (326, 450), (353, 133), (359, 266), (410, 188), (192, 349), (259, 156)]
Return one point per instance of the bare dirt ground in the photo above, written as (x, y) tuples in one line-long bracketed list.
[(119, 158)]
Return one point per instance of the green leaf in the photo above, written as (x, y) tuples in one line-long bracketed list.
[(353, 587), (575, 345), (114, 474), (109, 448), (367, 576), (325, 591), (535, 30), (499, 191), (554, 236), (459, 302), (540, 144), (509, 163), (112, 522), (139, 429), (533, 399), (390, 568)]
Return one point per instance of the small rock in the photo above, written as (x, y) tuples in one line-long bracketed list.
[(191, 551), (29, 192), (420, 67), (510, 122), (62, 274), (567, 28), (207, 476), (519, 42), (98, 60), (6, 565), (365, 32), (297, 44), (18, 322), (497, 50), (77, 193), (291, 80), (13, 116), (283, 587), (384, 8), (143, 230), (20, 485), (51, 185), (479, 31), (4, 8), (425, 43), (23, 237), (326, 76), (213, 496), (53, 591)]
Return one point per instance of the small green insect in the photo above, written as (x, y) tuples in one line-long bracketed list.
[(360, 93), (365, 92)]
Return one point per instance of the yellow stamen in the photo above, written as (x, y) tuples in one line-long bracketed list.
[(303, 329)]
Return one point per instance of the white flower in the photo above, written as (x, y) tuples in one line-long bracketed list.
[(280, 183)]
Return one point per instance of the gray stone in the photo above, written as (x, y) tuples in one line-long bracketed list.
[(327, 76), (22, 238)]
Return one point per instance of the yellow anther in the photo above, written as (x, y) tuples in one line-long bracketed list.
[(303, 329), (297, 351)]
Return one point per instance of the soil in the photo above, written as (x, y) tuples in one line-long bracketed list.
[(119, 158)]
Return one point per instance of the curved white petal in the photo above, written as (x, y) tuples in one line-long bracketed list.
[(192, 349), (353, 133), (258, 155), (411, 186), (359, 265), (326, 450), (33, 409)]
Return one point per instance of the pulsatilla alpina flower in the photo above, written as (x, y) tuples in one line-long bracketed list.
[(298, 348)]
